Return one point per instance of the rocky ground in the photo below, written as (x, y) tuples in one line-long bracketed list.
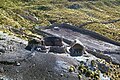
[(17, 63), (20, 17), (94, 45)]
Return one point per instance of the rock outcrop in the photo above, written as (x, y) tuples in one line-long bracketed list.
[(17, 63)]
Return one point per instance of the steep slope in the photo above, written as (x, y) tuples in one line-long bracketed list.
[(103, 15)]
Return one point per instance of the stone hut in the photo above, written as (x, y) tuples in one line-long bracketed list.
[(77, 48)]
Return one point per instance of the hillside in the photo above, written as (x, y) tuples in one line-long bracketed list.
[(101, 16), (59, 39)]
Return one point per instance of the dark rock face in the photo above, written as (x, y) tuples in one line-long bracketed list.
[(75, 6), (53, 41), (2, 50), (57, 49), (31, 43)]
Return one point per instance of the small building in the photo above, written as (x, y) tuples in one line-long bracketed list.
[(77, 48)]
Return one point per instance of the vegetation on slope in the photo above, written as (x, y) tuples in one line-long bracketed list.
[(30, 13)]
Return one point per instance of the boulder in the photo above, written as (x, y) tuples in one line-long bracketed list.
[(75, 6), (77, 48), (33, 43), (57, 49), (53, 41), (2, 50)]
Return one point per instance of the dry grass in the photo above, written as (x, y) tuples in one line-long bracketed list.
[(13, 13)]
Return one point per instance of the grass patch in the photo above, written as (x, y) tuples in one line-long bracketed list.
[(30, 13)]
